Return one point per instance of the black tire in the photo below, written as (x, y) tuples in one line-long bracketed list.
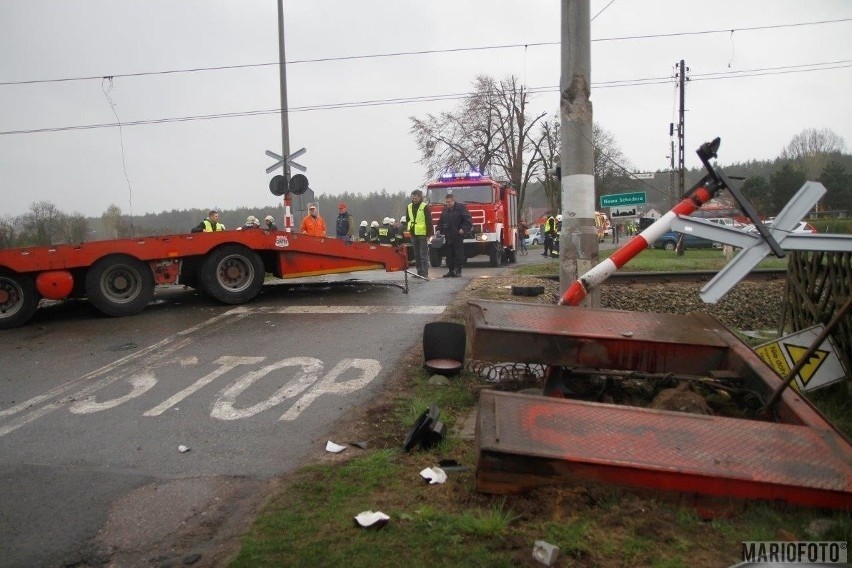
[(120, 285), (669, 246), (494, 254), (513, 256), (434, 258), (18, 299), (527, 290), (232, 274)]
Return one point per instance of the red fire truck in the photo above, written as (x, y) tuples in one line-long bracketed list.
[(118, 276), (493, 209)]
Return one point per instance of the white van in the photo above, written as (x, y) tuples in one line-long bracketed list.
[(727, 221)]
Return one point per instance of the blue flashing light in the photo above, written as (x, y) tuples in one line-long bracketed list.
[(450, 176)]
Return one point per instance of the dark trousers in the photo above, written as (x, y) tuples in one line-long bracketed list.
[(548, 244), (455, 255)]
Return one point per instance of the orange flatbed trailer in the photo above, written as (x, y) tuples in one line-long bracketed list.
[(118, 276)]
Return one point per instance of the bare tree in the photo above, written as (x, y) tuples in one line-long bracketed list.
[(549, 149), (8, 231), (490, 129), (75, 228), (611, 166), (42, 223), (812, 149), (520, 153)]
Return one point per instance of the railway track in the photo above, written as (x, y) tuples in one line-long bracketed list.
[(648, 277)]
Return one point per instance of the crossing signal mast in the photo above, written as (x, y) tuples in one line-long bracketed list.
[(681, 76)]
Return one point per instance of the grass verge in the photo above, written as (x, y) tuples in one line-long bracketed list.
[(661, 260)]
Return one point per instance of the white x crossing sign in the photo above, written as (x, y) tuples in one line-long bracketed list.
[(754, 248), (288, 160)]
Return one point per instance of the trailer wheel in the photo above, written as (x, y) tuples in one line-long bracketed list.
[(18, 299), (670, 245), (434, 258), (232, 274), (495, 254), (120, 285), (512, 256)]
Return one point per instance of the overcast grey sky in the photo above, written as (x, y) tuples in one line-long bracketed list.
[(205, 163)]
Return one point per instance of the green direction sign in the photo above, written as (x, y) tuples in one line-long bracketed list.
[(617, 199)]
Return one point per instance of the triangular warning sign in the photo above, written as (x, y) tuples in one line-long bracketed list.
[(796, 353)]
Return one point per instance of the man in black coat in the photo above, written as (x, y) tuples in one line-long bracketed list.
[(455, 223)]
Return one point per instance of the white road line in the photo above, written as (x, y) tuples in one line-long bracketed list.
[(403, 310)]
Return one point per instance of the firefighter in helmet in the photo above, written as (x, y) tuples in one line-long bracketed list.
[(363, 231), (373, 235)]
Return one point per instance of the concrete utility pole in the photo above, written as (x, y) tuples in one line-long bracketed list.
[(285, 125), (578, 248)]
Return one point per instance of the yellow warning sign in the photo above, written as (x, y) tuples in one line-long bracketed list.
[(797, 352), (822, 368), (774, 357)]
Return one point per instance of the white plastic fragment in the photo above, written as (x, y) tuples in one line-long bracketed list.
[(183, 449), (545, 552), (434, 475), (368, 519), (334, 448)]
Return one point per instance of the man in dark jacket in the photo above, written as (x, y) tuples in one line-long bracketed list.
[(343, 226), (455, 223)]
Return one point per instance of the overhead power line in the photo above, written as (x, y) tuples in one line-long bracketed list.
[(759, 72), (418, 52)]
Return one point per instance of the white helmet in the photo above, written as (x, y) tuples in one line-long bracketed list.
[(363, 223), (374, 224), (402, 219), (386, 221), (559, 217), (391, 220)]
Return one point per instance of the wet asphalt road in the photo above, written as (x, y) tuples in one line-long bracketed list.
[(93, 410)]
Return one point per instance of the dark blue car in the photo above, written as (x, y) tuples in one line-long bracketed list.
[(669, 239)]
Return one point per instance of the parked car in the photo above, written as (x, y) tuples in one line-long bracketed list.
[(535, 237), (801, 227), (669, 240)]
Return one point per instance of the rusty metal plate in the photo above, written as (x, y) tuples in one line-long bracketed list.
[(527, 440), (611, 339)]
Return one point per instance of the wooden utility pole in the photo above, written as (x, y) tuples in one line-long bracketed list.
[(578, 241)]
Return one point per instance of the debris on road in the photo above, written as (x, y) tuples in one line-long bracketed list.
[(427, 431), (371, 519), (360, 444), (452, 466), (545, 552), (434, 475), (183, 449), (334, 448)]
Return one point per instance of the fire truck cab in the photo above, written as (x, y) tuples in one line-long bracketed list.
[(494, 212)]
